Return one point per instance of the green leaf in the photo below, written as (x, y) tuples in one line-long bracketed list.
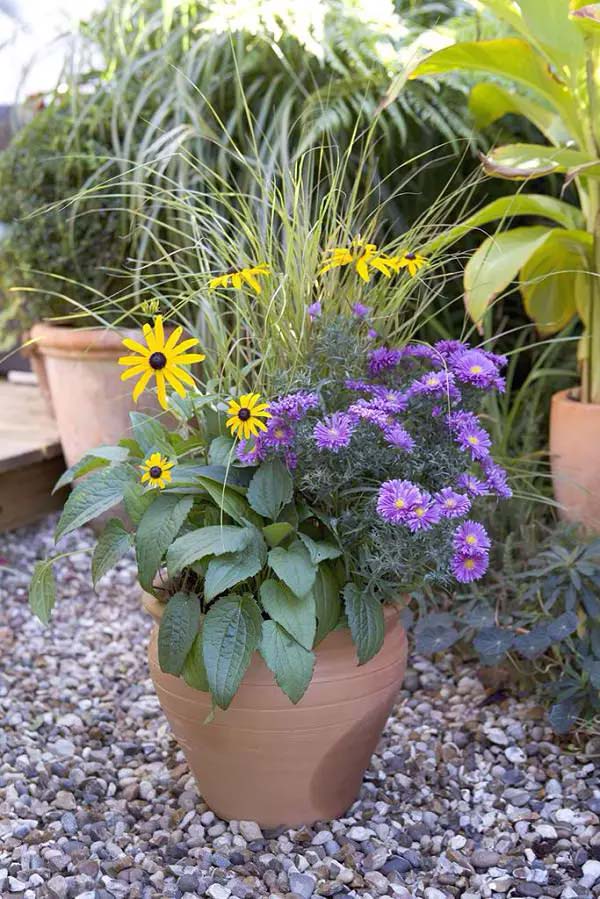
[(554, 32), (91, 497), (328, 602), (232, 504), (150, 434), (320, 550), (194, 670), (232, 568), (42, 590), (520, 162), (156, 531), (488, 102), (113, 543), (137, 500), (97, 458), (548, 281), (270, 489), (220, 451), (291, 664), (209, 541), (231, 633), (276, 533), (294, 567), (564, 714), (366, 622), (177, 631), (296, 614), (587, 18), (496, 263)]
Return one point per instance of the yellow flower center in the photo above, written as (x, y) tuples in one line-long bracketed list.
[(420, 511), (471, 539), (399, 503), (469, 564), (473, 440), (476, 369), (450, 503), (279, 433), (431, 382)]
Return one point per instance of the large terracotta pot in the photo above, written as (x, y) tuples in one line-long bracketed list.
[(267, 760), (91, 404), (575, 454)]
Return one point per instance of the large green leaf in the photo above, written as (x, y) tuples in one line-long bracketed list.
[(548, 282), (366, 622), (230, 635), (96, 458), (232, 504), (113, 543), (555, 33), (42, 590), (520, 162), (496, 263), (328, 605), (209, 541), (511, 58), (232, 568), (291, 664), (137, 499), (177, 631), (275, 533), (271, 489), (294, 567), (319, 550), (156, 531), (488, 102), (94, 495), (294, 613), (150, 434), (194, 670)]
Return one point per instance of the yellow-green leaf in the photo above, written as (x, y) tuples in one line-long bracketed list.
[(519, 162), (488, 102)]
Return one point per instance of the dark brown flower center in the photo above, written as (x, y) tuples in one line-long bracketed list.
[(155, 471), (244, 414), (409, 255), (157, 361)]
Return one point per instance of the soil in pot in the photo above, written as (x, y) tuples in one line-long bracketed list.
[(269, 761), (575, 456)]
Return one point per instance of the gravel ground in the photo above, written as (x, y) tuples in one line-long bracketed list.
[(463, 799)]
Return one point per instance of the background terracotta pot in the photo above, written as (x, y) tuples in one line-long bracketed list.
[(267, 760), (90, 402), (575, 454)]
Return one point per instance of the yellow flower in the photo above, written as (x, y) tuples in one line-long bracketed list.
[(161, 358), (362, 255), (237, 276), (246, 414), (156, 470), (411, 261)]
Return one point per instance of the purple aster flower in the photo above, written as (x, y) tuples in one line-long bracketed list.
[(291, 459), (471, 484), (424, 514), (372, 334), (294, 406), (359, 310), (250, 454), (468, 567), (383, 358), (391, 400), (476, 368), (447, 347), (475, 440), (452, 504), (396, 499), (398, 436), (278, 433), (423, 351), (354, 384), (314, 310), (435, 382), (458, 420), (471, 536), (496, 479), (335, 432), (369, 411)]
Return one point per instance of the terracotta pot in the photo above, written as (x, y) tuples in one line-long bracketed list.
[(38, 367), (574, 442), (91, 404), (270, 761)]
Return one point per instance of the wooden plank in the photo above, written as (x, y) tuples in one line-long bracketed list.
[(28, 432), (25, 492)]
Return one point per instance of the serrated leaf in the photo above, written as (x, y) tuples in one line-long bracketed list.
[(150, 434), (292, 665), (96, 494), (294, 567), (271, 489), (230, 569), (232, 504), (156, 531), (275, 533), (97, 458), (209, 541), (328, 603), (493, 642), (137, 500), (177, 631), (113, 543), (194, 670), (320, 550), (220, 451), (294, 613), (42, 590), (366, 622), (231, 633)]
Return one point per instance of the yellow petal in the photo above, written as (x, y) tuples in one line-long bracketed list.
[(173, 338), (145, 478), (167, 475), (168, 465), (181, 373), (134, 371), (160, 389), (233, 408), (184, 345), (159, 333), (260, 425), (362, 270), (251, 280), (135, 346), (141, 385), (149, 335), (187, 358), (175, 383), (155, 459), (131, 360)]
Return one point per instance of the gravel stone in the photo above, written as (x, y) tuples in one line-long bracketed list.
[(462, 799)]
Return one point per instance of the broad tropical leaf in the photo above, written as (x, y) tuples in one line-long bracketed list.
[(520, 162), (488, 102), (230, 635), (291, 664)]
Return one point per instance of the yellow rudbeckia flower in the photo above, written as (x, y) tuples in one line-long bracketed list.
[(364, 256), (246, 415), (156, 471), (410, 261), (237, 277), (161, 359)]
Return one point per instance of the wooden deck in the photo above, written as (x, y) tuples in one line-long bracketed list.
[(30, 456)]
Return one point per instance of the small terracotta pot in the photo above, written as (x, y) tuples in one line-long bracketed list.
[(276, 763), (91, 404), (574, 443), (38, 367)]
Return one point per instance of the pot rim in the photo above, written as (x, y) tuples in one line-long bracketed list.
[(571, 396), (97, 343)]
